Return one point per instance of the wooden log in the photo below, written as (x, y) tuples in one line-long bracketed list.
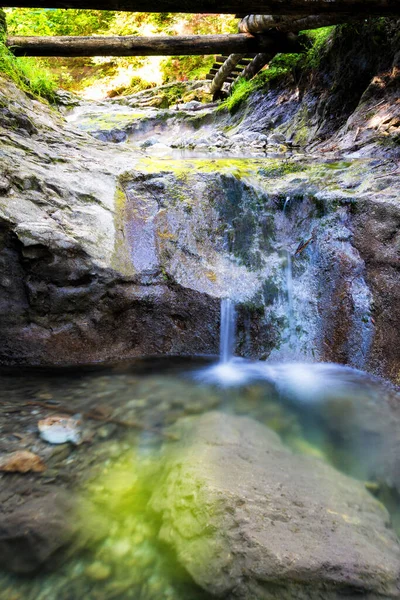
[(272, 7), (256, 24), (148, 46), (223, 73), (256, 65), (237, 69)]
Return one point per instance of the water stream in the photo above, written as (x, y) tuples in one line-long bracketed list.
[(227, 334), (123, 546), (289, 289)]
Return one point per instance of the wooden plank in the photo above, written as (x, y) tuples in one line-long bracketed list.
[(271, 7), (222, 59), (149, 46)]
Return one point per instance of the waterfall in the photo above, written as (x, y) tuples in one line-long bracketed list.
[(289, 291), (286, 204), (227, 331)]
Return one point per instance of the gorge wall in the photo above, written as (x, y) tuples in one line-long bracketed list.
[(109, 251)]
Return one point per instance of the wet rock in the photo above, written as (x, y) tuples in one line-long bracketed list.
[(192, 105), (116, 136), (60, 430), (276, 138), (66, 270), (249, 519), (376, 226), (35, 532), (22, 461)]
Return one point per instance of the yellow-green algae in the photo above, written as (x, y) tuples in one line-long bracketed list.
[(327, 175), (121, 259), (109, 121)]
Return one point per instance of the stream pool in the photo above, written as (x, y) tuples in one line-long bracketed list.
[(124, 414)]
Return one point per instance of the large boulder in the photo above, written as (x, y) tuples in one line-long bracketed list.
[(250, 519)]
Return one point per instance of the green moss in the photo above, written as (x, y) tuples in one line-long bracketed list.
[(279, 168), (282, 65), (29, 74), (318, 38), (121, 258), (109, 121), (338, 166)]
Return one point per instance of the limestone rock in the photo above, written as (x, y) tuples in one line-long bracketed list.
[(249, 519)]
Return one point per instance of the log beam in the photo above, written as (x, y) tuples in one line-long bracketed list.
[(151, 46), (256, 24), (272, 7)]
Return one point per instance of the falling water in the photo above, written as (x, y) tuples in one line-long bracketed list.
[(227, 331), (286, 204), (289, 291)]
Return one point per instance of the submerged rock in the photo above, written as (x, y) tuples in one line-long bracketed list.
[(60, 430), (35, 532), (249, 519), (22, 461)]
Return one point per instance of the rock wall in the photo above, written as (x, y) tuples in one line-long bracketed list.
[(66, 293), (346, 100)]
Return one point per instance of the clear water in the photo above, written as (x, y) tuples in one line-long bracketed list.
[(341, 415)]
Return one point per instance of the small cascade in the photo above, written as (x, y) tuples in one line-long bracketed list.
[(289, 292), (287, 201), (227, 331)]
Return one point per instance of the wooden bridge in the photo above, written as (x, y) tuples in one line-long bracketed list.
[(256, 35), (271, 7), (238, 69), (270, 28)]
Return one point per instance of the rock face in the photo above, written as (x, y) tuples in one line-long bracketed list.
[(68, 293), (248, 519), (376, 228), (346, 102)]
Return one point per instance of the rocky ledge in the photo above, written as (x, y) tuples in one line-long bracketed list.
[(249, 519)]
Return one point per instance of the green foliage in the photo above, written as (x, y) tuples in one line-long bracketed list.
[(241, 91), (31, 21), (28, 73), (281, 66), (182, 68), (172, 95), (26, 21), (319, 38), (137, 84)]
